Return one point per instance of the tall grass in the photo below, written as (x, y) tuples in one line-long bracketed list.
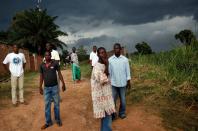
[(180, 64), (169, 82)]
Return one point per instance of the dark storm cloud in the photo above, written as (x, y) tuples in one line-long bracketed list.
[(124, 11), (119, 11), (166, 42), (8, 9), (101, 41), (105, 22)]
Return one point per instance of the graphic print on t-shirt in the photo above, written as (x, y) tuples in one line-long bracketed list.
[(16, 60)]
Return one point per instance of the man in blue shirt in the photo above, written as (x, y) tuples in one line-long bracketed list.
[(119, 72)]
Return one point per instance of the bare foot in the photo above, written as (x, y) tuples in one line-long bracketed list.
[(78, 81)]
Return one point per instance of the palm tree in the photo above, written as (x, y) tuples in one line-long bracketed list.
[(33, 28)]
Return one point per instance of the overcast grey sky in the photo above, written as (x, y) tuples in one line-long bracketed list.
[(104, 22)]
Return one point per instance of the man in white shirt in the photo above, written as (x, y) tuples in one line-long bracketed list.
[(54, 54), (16, 63), (93, 58)]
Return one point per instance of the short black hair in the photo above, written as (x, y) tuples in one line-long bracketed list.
[(117, 44), (48, 52), (15, 45), (100, 48)]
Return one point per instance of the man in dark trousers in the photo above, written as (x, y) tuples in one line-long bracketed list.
[(49, 76)]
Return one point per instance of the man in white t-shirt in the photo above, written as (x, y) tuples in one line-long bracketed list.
[(54, 54), (16, 63), (93, 58)]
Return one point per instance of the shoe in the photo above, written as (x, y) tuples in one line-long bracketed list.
[(59, 124), (114, 116), (45, 126), (122, 116), (24, 103), (15, 105)]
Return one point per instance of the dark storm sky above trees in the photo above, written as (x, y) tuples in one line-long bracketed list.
[(104, 22)]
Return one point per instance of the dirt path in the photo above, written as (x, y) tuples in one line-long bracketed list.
[(76, 113)]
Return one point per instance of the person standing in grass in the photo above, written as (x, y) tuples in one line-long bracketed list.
[(101, 91), (49, 76), (119, 72), (93, 58), (16, 63), (76, 73)]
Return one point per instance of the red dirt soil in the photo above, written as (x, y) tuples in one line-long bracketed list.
[(76, 113)]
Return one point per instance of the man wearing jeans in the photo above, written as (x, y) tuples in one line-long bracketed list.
[(54, 56), (16, 63), (49, 76), (119, 72)]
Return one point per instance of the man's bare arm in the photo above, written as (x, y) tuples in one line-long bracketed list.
[(41, 83), (6, 68), (24, 64), (62, 80)]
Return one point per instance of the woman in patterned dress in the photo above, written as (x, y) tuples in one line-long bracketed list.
[(103, 104)]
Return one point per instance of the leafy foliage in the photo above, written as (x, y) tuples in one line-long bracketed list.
[(33, 28), (82, 53), (143, 48), (3, 36), (185, 36)]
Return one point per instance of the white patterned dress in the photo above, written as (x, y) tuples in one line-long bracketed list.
[(101, 92)]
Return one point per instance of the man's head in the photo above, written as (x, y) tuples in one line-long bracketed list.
[(117, 49), (16, 48), (73, 49), (48, 56), (48, 47), (94, 48)]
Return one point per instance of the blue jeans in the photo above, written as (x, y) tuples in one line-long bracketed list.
[(106, 123), (49, 94), (121, 92)]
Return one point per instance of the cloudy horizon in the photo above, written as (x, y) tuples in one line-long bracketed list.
[(108, 21)]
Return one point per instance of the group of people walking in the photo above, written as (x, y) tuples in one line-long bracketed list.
[(109, 79)]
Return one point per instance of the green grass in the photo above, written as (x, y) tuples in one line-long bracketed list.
[(5, 90), (85, 69), (167, 82)]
